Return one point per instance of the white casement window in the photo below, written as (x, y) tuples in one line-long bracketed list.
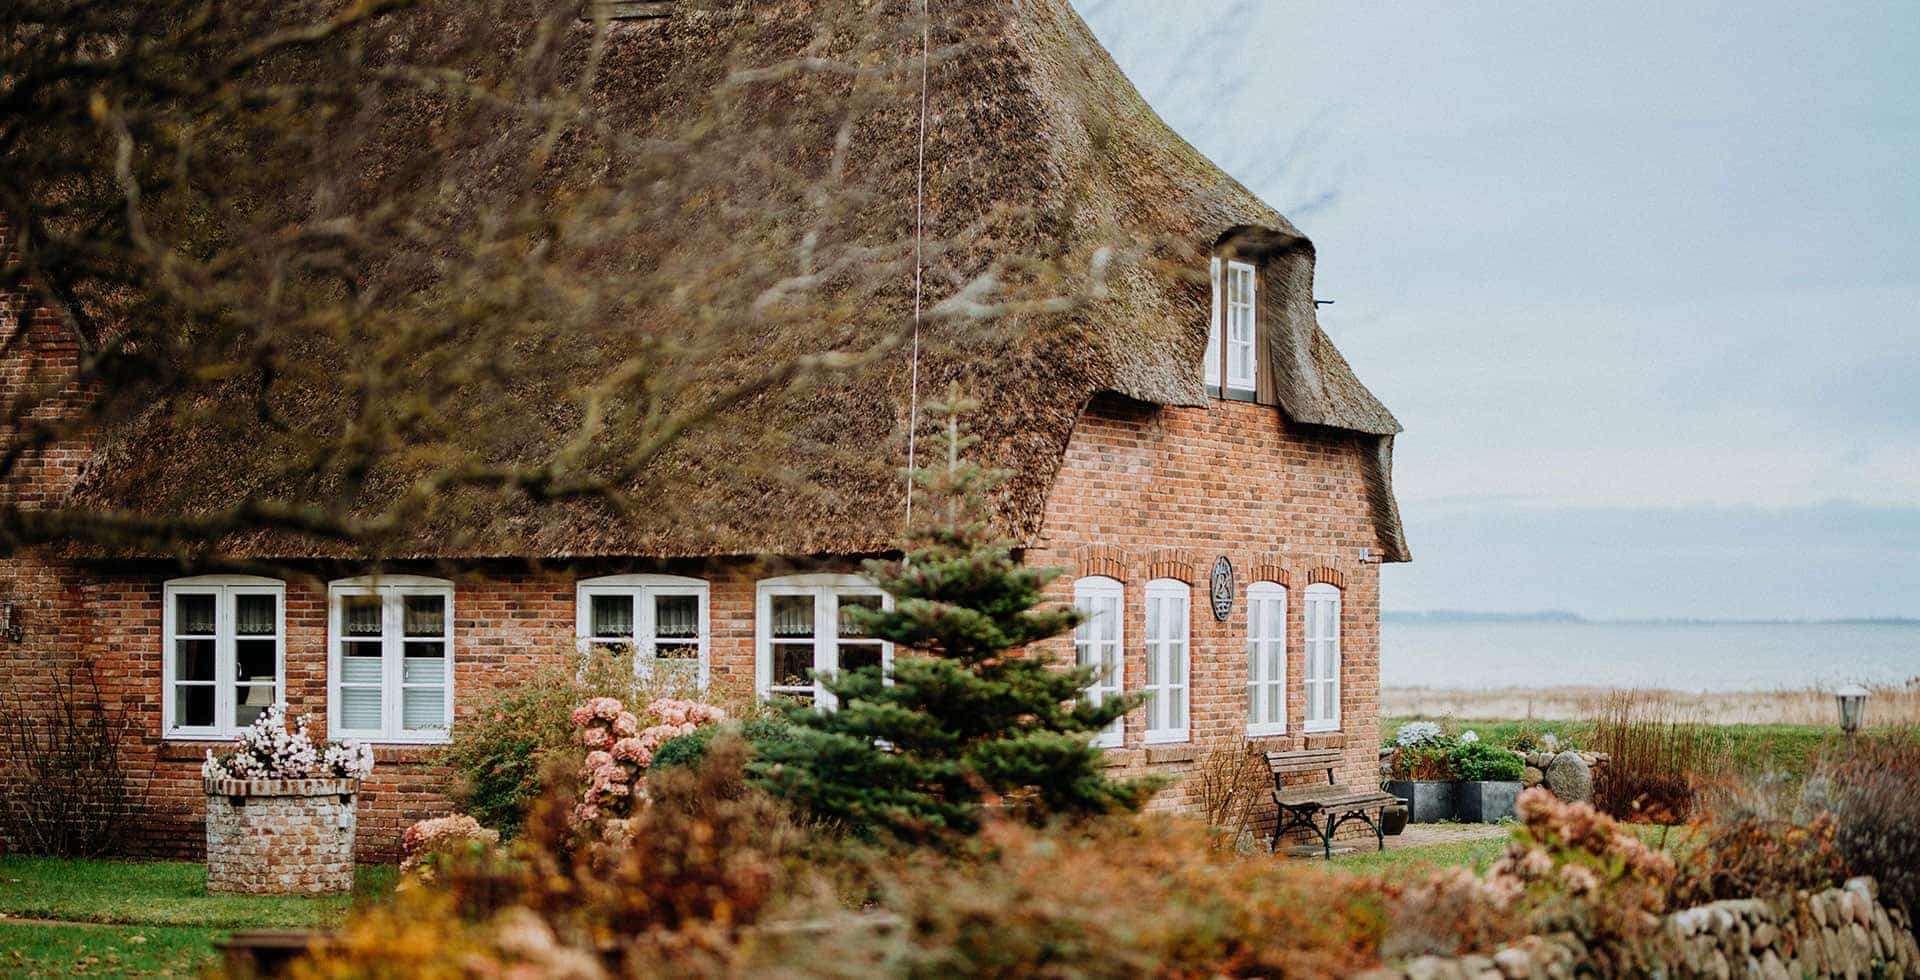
[(1230, 336), (1098, 642), (1266, 659), (1169, 660), (661, 619), (1323, 657), (800, 635), (225, 653), (390, 658)]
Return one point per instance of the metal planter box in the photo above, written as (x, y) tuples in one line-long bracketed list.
[(1428, 800), (1486, 802)]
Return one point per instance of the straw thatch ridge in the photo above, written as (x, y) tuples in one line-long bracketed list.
[(1030, 111)]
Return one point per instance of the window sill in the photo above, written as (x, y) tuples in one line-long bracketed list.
[(1165, 738), (1266, 731)]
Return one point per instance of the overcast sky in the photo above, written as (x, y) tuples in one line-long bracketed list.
[(1642, 281)]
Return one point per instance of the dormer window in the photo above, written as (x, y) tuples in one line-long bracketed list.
[(1230, 336)]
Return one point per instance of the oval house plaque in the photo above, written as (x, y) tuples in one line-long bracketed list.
[(1222, 588)]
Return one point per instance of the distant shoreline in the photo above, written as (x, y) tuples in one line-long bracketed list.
[(1886, 705), (1457, 617)]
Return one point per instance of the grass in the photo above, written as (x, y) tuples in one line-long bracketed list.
[(1408, 863), (104, 951), (163, 893), (1413, 863), (1788, 749)]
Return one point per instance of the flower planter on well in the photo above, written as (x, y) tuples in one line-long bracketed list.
[(280, 836), (1486, 802), (1428, 800)]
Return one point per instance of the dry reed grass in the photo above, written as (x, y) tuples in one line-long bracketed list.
[(1890, 706)]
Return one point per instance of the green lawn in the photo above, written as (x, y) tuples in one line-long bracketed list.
[(162, 893), (1755, 748), (104, 951), (1409, 863)]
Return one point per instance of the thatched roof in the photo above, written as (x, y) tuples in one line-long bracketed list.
[(1028, 112)]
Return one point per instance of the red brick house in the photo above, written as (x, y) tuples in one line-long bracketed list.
[(1186, 419)]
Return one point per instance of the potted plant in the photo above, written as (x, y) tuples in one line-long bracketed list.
[(1489, 780), (1422, 772), (280, 811)]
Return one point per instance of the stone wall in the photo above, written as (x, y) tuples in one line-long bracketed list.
[(1842, 932), (280, 836)]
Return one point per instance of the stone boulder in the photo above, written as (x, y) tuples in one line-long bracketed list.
[(1570, 778)]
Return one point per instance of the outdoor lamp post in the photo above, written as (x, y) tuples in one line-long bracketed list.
[(1853, 703)]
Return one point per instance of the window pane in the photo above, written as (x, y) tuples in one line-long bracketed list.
[(423, 709), (193, 615), (193, 705), (854, 656), (426, 615), (360, 708), (249, 700), (851, 601), (255, 659), (792, 662), (1177, 709), (793, 616), (254, 615), (1108, 610), (193, 660), (422, 670), (676, 616), (677, 651), (611, 615), (360, 663), (360, 615), (1176, 663)]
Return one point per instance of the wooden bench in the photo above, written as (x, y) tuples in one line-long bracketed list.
[(1307, 806)]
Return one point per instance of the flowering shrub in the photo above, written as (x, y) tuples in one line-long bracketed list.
[(1469, 737), (1576, 869), (425, 840), (619, 750), (1418, 734), (267, 750)]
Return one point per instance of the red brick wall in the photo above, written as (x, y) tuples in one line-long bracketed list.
[(1143, 493), (1148, 492)]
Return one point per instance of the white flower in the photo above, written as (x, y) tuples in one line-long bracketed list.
[(1468, 738), (1417, 733)]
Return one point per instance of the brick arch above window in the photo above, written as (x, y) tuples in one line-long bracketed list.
[(1328, 575), (1102, 559), (1270, 569), (1171, 563)]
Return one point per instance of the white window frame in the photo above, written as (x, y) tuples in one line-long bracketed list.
[(1242, 311), (826, 589), (393, 590), (1086, 592), (1262, 646), (1323, 660), (643, 641), (1164, 651), (1212, 363), (223, 588), (1233, 306)]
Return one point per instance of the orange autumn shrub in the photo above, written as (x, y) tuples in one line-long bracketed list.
[(668, 890), (1144, 897)]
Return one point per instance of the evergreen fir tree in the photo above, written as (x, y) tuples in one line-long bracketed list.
[(967, 716)]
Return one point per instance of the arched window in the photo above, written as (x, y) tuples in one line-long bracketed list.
[(800, 636), (662, 619), (1099, 643), (390, 658), (1169, 660), (1323, 657), (1266, 659), (225, 653)]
